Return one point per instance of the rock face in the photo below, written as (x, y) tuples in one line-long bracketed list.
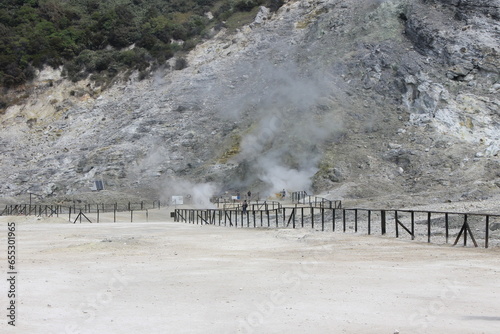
[(361, 98)]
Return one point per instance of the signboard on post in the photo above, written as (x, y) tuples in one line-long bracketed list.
[(97, 185), (177, 200)]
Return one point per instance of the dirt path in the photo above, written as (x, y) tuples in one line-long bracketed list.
[(165, 277)]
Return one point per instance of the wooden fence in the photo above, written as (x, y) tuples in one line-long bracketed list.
[(425, 226), (301, 197), (81, 211)]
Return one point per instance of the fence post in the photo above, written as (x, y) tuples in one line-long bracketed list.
[(322, 219), (302, 216), (284, 214), (396, 220), (446, 226), (277, 213), (369, 222), (344, 219), (333, 220), (465, 230), (428, 227), (487, 235), (382, 221), (413, 226), (355, 220), (312, 214)]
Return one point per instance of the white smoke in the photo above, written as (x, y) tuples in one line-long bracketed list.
[(293, 117), (283, 177), (196, 194)]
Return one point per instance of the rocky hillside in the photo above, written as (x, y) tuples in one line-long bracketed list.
[(370, 99)]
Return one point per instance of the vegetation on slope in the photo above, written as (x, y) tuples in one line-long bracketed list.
[(104, 37)]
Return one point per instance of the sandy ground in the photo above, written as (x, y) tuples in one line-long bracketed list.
[(166, 277)]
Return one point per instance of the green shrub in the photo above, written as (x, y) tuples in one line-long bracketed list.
[(245, 5), (180, 64), (77, 33), (274, 5)]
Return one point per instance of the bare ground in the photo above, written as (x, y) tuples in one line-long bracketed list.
[(166, 277)]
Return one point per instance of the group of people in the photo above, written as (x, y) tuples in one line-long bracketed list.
[(244, 205), (249, 195)]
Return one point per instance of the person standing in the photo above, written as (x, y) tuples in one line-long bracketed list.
[(244, 206)]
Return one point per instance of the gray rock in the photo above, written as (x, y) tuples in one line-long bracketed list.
[(320, 83), (495, 226)]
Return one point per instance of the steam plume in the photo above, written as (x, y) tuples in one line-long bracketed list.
[(293, 118)]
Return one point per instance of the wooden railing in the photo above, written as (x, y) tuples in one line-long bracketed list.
[(425, 226)]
